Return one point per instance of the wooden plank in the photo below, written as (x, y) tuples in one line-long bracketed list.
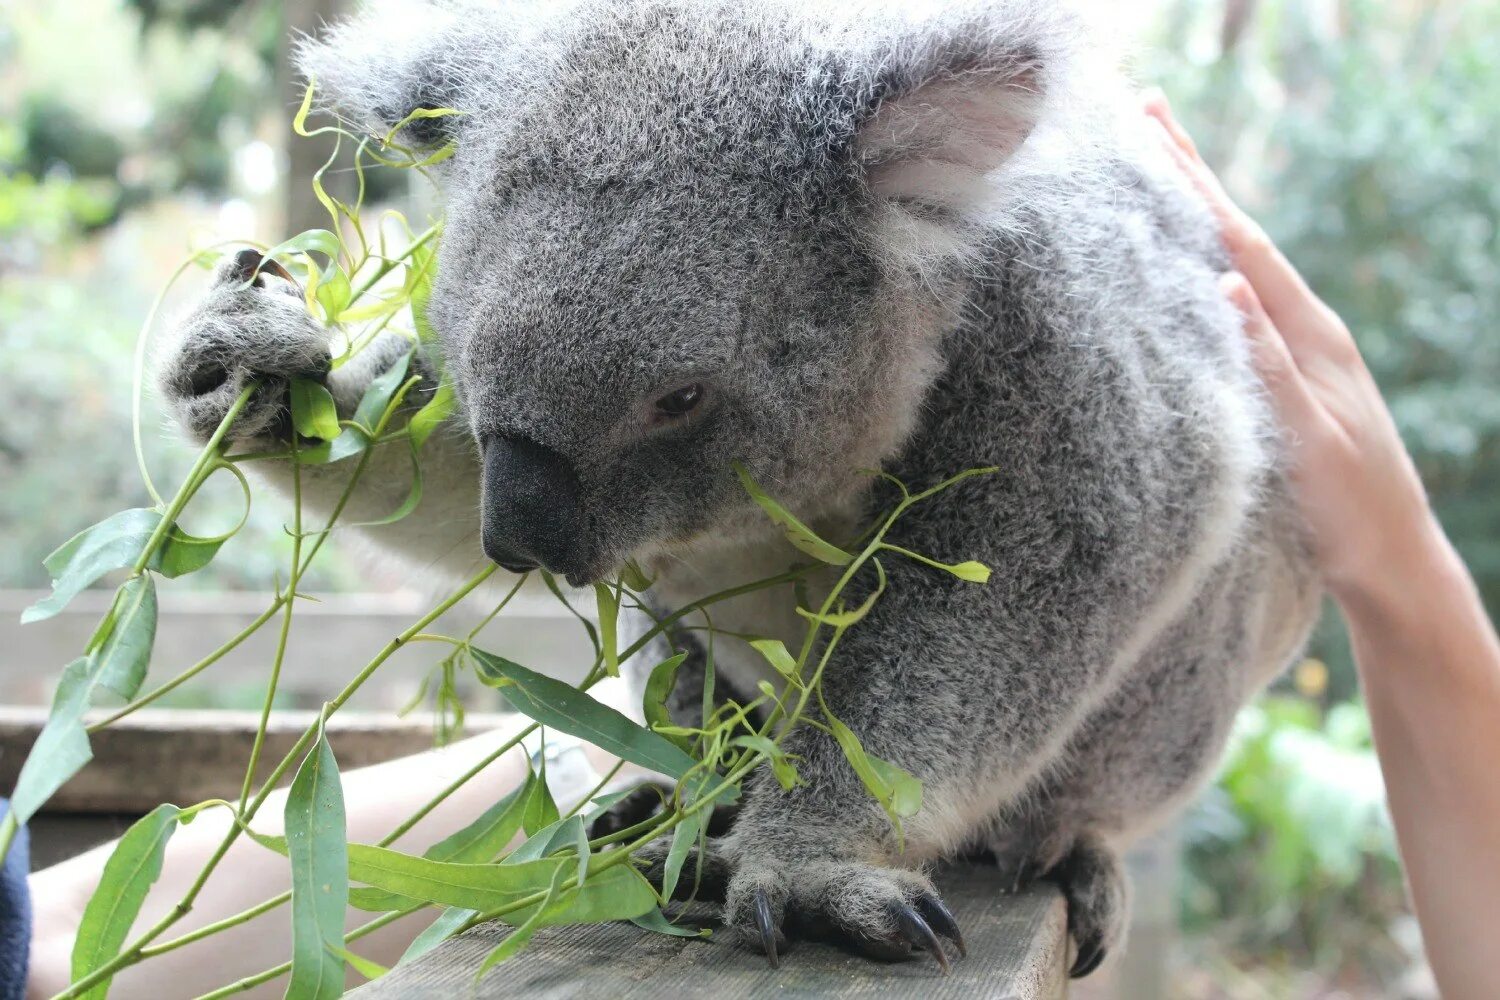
[(186, 756), (1017, 950)]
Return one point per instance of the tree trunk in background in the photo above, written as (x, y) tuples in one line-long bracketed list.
[(301, 208)]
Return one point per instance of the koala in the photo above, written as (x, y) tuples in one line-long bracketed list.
[(824, 240)]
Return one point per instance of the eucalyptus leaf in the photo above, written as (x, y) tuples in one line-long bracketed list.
[(563, 707), (133, 867), (654, 700), (609, 633), (538, 808), (657, 922), (518, 938), (116, 543), (799, 534), (316, 847), (776, 654), (432, 414), (445, 926), (314, 413), (683, 838), (122, 648), (898, 793), (62, 747)]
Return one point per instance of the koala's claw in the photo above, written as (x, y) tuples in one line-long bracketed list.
[(767, 927), (919, 934), (1090, 955), (941, 919)]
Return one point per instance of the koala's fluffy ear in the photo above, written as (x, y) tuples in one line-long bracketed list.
[(947, 115), (398, 56)]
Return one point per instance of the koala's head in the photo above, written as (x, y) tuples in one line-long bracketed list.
[(683, 234)]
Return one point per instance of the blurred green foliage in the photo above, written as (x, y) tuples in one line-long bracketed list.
[(1365, 136)]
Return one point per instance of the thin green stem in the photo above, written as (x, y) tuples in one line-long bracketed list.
[(131, 953), (286, 628), (194, 479)]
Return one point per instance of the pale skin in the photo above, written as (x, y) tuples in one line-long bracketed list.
[(1428, 658)]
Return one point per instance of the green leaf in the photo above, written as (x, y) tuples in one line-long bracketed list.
[(657, 923), (517, 939), (781, 763), (487, 888), (315, 843), (538, 809), (133, 867), (683, 838), (309, 241), (799, 534), (121, 649), (314, 413), (414, 116), (635, 578), (487, 836), (654, 701), (432, 414), (898, 793), (377, 395), (440, 930), (563, 707), (844, 619), (906, 791), (62, 747), (609, 633), (477, 843), (371, 970), (775, 652), (116, 543), (974, 572), (333, 293)]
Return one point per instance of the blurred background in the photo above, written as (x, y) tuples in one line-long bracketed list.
[(1364, 134)]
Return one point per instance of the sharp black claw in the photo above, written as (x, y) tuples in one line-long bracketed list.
[(915, 930), (941, 919), (1090, 954), (1023, 876), (766, 927)]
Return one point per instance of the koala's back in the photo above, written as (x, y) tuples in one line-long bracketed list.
[(1100, 369)]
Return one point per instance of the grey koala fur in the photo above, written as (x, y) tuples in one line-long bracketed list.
[(921, 238)]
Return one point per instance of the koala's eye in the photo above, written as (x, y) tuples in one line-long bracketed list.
[(681, 402)]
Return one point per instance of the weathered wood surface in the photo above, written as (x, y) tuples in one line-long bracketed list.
[(1017, 951), (169, 755)]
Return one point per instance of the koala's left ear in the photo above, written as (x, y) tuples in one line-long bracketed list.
[(946, 116), (398, 56)]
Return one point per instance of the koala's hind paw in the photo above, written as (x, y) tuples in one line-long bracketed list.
[(243, 330), (1094, 883)]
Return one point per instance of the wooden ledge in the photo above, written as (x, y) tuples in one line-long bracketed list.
[(1018, 948)]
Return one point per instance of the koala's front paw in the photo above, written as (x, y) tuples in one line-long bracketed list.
[(238, 333), (884, 913)]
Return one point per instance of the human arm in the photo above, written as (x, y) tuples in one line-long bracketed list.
[(1428, 656)]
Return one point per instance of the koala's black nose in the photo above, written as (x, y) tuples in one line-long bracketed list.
[(531, 508)]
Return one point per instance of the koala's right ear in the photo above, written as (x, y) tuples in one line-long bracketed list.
[(398, 56)]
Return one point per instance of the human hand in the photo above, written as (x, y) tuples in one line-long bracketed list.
[(1356, 485)]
